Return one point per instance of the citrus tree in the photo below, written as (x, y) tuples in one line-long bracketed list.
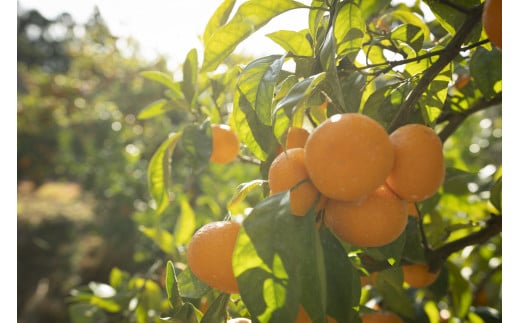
[(375, 189)]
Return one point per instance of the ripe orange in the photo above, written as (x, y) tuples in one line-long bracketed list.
[(381, 317), (225, 144), (492, 21), (418, 275), (372, 222), (210, 252), (348, 156), (418, 170), (296, 138), (287, 171)]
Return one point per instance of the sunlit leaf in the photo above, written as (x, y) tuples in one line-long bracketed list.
[(154, 109), (496, 194), (486, 71), (190, 286), (349, 30), (186, 224), (249, 17), (257, 82), (172, 288), (159, 172), (242, 191), (460, 291), (162, 78), (292, 41), (218, 19), (190, 74), (162, 238)]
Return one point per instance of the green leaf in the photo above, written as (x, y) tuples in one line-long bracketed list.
[(186, 224), (257, 82), (159, 172), (257, 136), (343, 284), (249, 17), (161, 78), (318, 21), (162, 238), (460, 291), (486, 71), (327, 56), (217, 312), (218, 19), (413, 250), (86, 313), (433, 99), (349, 31), (409, 34), (450, 19), (190, 286), (242, 191), (187, 314), (456, 181), (190, 72), (172, 288), (389, 284), (409, 17), (118, 277), (154, 109), (496, 194), (279, 263), (196, 141), (293, 42)]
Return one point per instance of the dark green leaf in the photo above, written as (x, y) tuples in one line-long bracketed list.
[(217, 312), (413, 250), (343, 284), (496, 194), (486, 71), (328, 62), (456, 181), (280, 253), (389, 284), (450, 18)]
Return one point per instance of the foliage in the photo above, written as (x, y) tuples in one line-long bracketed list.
[(379, 58)]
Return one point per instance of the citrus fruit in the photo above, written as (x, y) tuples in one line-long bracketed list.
[(381, 317), (348, 156), (371, 222), (418, 170), (288, 172), (296, 138), (225, 144), (210, 253), (492, 21), (418, 275)]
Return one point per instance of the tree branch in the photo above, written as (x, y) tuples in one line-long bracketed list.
[(438, 256), (451, 51), (456, 119)]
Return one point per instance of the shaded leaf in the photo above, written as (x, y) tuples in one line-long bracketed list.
[(496, 194), (172, 288), (190, 286), (217, 312)]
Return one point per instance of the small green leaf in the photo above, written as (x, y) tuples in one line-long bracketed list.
[(242, 191), (159, 172), (190, 286), (154, 109), (186, 224), (172, 288), (409, 34), (161, 78), (118, 277), (190, 72)]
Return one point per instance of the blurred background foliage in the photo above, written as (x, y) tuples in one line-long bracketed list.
[(84, 210)]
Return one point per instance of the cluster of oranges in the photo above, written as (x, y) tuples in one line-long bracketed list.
[(363, 178)]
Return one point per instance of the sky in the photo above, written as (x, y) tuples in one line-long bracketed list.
[(168, 27)]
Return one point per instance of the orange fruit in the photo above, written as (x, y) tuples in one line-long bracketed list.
[(348, 156), (492, 21), (381, 317), (418, 170), (411, 209), (418, 275), (303, 317), (372, 222), (296, 138), (210, 253), (225, 144), (288, 172)]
